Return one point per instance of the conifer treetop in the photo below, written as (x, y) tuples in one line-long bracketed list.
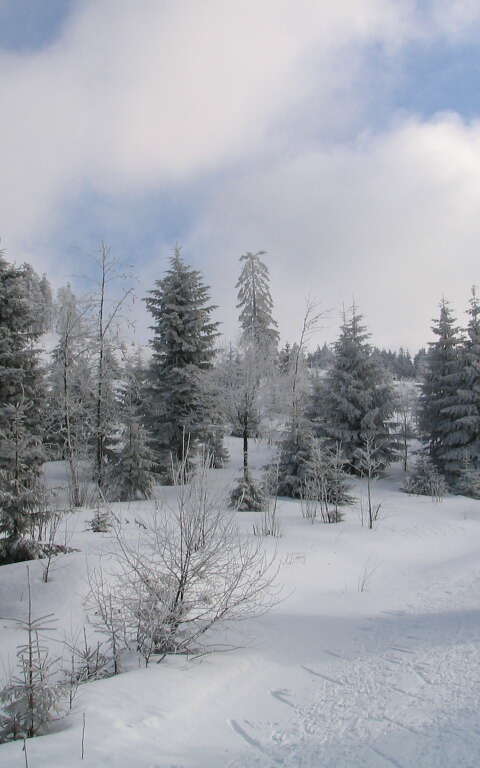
[(255, 302), (184, 334)]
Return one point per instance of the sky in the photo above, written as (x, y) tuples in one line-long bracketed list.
[(341, 138)]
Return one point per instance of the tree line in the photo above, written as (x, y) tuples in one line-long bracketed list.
[(126, 420)]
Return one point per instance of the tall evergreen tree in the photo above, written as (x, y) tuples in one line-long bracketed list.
[(358, 399), (460, 453), (255, 303), (470, 385), (21, 400), (440, 415), (183, 348)]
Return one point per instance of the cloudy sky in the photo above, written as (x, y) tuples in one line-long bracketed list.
[(341, 137)]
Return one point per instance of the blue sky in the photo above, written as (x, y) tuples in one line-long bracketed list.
[(27, 25), (345, 143)]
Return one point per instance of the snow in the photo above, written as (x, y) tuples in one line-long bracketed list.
[(334, 675)]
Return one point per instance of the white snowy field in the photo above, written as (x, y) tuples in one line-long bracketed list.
[(372, 657)]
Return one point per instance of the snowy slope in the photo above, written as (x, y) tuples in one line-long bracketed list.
[(332, 676)]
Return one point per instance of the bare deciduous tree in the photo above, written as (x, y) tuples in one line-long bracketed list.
[(370, 462), (107, 314)]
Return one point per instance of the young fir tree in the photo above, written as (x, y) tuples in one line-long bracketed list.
[(22, 409), (358, 399), (183, 348), (440, 410), (296, 453), (259, 329), (131, 471)]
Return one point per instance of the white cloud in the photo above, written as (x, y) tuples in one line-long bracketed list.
[(140, 95), (392, 220)]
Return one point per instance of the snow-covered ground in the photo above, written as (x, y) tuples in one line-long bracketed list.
[(371, 658)]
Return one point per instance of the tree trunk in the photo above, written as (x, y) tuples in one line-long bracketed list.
[(245, 453), (68, 438)]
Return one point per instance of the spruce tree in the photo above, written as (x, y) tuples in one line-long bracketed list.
[(425, 479), (131, 473), (458, 452), (255, 303), (468, 393), (358, 399), (183, 348), (22, 409), (441, 414), (296, 454)]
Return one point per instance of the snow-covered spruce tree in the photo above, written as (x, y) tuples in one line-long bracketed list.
[(440, 412), (215, 446), (20, 490), (321, 358), (259, 329), (296, 453), (471, 378), (258, 344), (358, 398), (183, 348), (40, 296), (130, 474), (461, 457), (405, 413), (425, 479), (467, 479), (22, 409)]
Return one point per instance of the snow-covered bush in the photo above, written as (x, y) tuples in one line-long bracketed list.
[(189, 569), (101, 521)]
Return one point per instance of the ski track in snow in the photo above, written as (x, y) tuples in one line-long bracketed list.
[(404, 701)]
